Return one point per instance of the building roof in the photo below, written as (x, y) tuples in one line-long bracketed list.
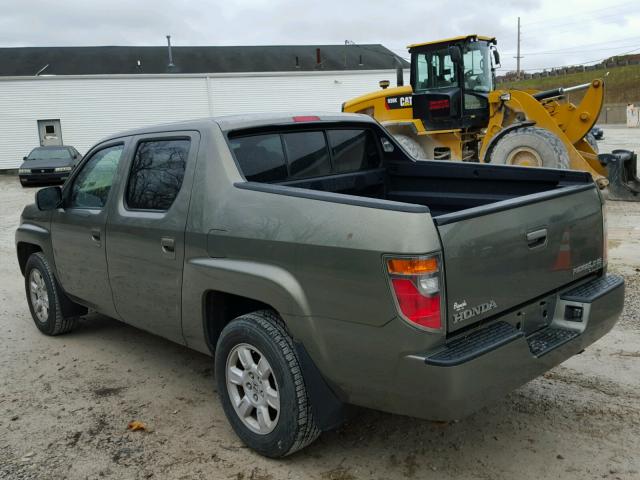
[(27, 61)]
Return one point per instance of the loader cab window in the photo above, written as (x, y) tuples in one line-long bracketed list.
[(435, 69), (477, 67)]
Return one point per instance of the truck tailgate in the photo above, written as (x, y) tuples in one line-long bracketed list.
[(508, 253)]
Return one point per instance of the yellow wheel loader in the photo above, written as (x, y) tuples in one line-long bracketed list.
[(452, 111)]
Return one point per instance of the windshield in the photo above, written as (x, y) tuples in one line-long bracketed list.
[(477, 67), (49, 154)]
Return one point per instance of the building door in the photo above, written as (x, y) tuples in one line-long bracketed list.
[(49, 132)]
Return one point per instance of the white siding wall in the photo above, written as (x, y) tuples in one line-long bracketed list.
[(91, 108)]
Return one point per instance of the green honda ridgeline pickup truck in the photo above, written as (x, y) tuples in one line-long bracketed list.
[(323, 267)]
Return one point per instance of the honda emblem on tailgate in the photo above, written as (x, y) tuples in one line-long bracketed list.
[(473, 311)]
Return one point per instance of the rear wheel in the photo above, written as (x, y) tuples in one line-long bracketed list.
[(530, 147), (43, 296), (261, 386), (412, 147)]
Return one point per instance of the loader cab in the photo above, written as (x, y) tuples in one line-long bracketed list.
[(451, 80)]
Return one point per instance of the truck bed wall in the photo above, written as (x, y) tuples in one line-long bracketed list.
[(444, 187)]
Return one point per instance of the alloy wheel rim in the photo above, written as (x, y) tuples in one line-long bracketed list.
[(39, 295), (252, 388), (525, 157)]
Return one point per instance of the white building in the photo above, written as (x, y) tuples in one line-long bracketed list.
[(60, 106)]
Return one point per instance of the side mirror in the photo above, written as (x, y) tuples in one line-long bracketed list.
[(455, 53), (496, 58), (49, 198), (75, 156), (24, 159)]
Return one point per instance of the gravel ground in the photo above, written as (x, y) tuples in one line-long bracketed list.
[(65, 403)]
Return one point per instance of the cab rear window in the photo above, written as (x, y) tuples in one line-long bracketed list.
[(261, 157), (279, 157)]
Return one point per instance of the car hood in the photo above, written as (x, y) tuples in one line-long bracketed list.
[(51, 163)]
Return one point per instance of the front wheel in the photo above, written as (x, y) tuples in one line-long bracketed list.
[(412, 147), (261, 387), (530, 147), (43, 297)]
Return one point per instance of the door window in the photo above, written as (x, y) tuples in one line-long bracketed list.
[(90, 188), (435, 69), (156, 174)]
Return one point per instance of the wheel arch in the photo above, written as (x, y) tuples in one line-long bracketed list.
[(494, 140), (219, 308), (24, 250)]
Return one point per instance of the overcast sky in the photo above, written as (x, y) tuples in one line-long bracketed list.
[(554, 32)]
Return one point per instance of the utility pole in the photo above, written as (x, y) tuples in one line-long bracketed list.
[(518, 56)]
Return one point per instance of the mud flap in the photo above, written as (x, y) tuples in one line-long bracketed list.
[(624, 184)]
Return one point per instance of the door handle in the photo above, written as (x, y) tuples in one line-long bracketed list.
[(537, 238), (95, 236), (168, 247)]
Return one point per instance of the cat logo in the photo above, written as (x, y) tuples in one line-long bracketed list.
[(402, 101)]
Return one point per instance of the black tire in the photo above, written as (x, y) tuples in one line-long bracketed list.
[(411, 146), (541, 146), (590, 138), (295, 427), (54, 323)]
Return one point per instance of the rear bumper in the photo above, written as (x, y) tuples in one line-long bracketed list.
[(483, 366)]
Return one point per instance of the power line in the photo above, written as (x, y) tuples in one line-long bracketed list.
[(577, 47), (549, 21), (575, 22), (578, 64)]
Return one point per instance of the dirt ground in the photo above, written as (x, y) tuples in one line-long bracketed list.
[(65, 402)]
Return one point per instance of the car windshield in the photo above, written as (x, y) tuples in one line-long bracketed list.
[(49, 154)]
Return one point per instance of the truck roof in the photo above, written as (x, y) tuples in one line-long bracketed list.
[(228, 123)]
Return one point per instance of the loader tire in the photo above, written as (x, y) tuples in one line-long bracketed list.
[(412, 147), (530, 147), (590, 138)]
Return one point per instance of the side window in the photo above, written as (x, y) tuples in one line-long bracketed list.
[(91, 186), (261, 157), (307, 154), (353, 150), (156, 174)]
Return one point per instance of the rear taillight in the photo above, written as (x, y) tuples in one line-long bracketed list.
[(416, 285)]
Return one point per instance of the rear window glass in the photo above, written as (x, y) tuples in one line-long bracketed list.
[(307, 154), (261, 157), (353, 150)]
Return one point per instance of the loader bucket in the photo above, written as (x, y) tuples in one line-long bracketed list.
[(622, 170)]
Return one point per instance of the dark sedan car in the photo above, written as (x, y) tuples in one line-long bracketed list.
[(48, 165)]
